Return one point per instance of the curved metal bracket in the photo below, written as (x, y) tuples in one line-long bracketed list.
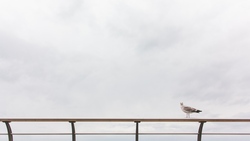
[(73, 130), (10, 136), (137, 131), (200, 130)]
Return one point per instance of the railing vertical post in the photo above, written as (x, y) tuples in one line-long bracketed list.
[(200, 130), (10, 136), (137, 131), (73, 130)]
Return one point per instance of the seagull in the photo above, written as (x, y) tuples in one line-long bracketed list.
[(188, 110)]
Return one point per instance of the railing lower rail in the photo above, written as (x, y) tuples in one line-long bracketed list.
[(136, 121)]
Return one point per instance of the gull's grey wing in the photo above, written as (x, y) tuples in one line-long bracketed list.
[(189, 109)]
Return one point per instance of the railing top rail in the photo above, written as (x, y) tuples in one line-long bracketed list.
[(122, 120)]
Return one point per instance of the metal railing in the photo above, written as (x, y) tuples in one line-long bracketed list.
[(73, 133)]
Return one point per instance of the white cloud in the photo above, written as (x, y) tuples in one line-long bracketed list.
[(123, 58)]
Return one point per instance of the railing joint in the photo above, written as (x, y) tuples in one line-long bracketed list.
[(137, 130), (200, 130), (10, 135), (73, 130)]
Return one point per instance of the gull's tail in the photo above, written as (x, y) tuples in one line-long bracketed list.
[(197, 111)]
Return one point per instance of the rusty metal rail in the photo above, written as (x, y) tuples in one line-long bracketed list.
[(73, 133)]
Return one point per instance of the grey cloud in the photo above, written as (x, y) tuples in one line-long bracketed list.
[(24, 58), (70, 9), (124, 59)]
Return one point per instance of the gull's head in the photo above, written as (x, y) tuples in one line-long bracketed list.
[(181, 103)]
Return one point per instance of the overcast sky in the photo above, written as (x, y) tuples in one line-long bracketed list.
[(124, 58)]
